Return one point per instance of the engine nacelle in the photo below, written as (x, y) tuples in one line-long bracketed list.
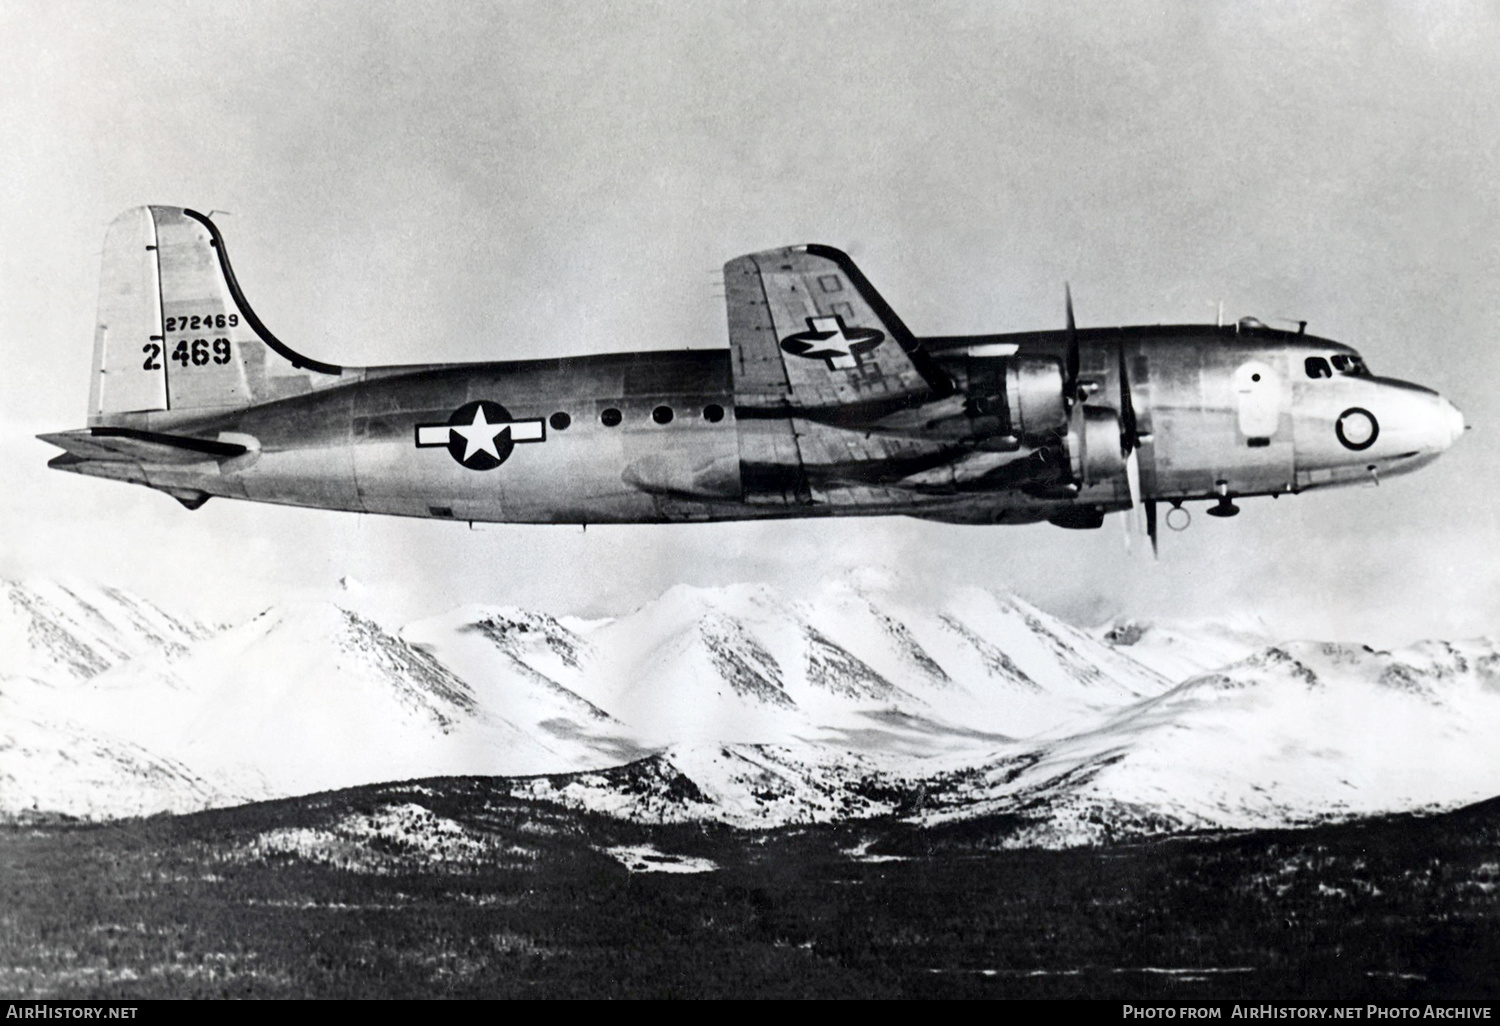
[(1034, 395), (1021, 397), (1094, 445)]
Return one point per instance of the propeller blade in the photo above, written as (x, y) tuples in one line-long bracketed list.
[(1129, 435), (1070, 388), (1130, 443)]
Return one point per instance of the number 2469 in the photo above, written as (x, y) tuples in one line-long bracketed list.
[(190, 354)]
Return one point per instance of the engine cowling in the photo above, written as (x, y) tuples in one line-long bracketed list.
[(1034, 397), (1094, 445), (1017, 398)]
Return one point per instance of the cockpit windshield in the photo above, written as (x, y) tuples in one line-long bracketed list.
[(1349, 363), (1343, 363)]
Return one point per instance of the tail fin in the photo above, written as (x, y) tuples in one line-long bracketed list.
[(175, 332)]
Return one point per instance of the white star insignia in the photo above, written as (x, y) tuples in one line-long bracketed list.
[(479, 436), (492, 439)]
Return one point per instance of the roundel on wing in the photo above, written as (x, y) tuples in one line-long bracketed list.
[(829, 339)]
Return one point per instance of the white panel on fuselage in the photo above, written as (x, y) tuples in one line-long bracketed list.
[(1260, 398)]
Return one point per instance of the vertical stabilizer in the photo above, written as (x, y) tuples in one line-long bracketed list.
[(175, 333)]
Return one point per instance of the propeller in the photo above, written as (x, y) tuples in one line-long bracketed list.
[(1130, 437), (1130, 442)]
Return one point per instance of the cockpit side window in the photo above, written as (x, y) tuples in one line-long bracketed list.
[(1317, 367)]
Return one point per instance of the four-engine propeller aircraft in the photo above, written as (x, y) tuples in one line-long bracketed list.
[(824, 404)]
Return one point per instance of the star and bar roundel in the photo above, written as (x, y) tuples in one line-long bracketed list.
[(480, 435), (829, 339)]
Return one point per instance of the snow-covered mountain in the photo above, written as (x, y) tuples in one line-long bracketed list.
[(304, 698), (54, 639), (54, 631), (1291, 735), (1181, 650), (747, 706), (1294, 734), (50, 764), (746, 664)]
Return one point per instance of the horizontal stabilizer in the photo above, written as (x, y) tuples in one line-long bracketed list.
[(135, 446)]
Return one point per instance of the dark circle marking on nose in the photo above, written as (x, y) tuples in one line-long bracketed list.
[(1359, 423)]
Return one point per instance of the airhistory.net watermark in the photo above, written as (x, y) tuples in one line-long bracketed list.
[(46, 1010), (1274, 1011)]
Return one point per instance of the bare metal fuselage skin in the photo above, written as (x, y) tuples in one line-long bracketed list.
[(823, 405), (351, 446)]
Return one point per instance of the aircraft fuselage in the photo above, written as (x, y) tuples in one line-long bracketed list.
[(824, 405), (597, 447)]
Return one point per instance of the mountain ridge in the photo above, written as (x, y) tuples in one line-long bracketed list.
[(744, 706)]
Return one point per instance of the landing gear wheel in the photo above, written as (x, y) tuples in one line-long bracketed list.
[(1224, 508)]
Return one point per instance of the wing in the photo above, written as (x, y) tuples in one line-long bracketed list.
[(809, 333), (817, 354)]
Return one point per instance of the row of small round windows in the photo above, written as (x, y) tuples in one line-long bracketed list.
[(612, 417)]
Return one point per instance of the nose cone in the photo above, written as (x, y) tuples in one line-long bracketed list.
[(1452, 418)]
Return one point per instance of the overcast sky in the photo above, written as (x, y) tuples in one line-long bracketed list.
[(416, 182)]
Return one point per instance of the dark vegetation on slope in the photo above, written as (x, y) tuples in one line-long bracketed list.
[(524, 901)]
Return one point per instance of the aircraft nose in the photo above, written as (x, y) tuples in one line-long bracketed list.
[(1452, 421)]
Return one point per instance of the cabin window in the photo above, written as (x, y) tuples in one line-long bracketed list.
[(1317, 367), (610, 417), (662, 414), (560, 421), (713, 413)]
